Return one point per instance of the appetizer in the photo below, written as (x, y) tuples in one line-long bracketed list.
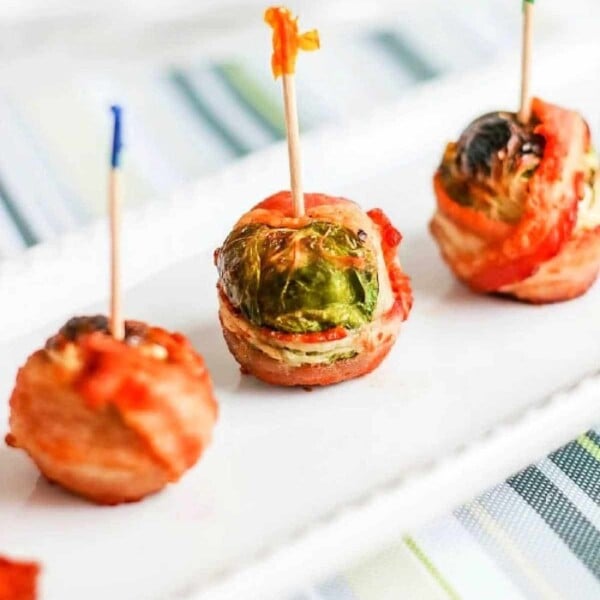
[(310, 287), (517, 212), (113, 420), (18, 580), (311, 300)]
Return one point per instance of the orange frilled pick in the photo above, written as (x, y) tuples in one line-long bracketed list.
[(287, 41)]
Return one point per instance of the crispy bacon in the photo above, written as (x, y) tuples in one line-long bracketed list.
[(277, 211), (491, 255), (18, 580), (113, 420)]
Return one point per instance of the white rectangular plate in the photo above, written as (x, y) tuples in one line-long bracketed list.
[(296, 483)]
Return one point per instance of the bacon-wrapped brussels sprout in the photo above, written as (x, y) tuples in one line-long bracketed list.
[(516, 207), (311, 300), (113, 420)]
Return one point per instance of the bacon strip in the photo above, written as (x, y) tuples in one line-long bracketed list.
[(18, 580)]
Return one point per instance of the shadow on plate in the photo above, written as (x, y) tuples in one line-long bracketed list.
[(207, 339), (431, 279), (51, 495), (22, 484)]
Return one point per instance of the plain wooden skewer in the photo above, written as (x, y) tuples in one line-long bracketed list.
[(293, 143), (525, 108), (117, 325)]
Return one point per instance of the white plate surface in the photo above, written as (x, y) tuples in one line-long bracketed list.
[(298, 483)]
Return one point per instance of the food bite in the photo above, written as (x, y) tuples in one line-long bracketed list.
[(113, 420), (311, 291), (517, 212), (311, 300)]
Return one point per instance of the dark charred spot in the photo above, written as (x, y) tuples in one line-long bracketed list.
[(362, 235), (77, 326), (135, 331), (492, 137)]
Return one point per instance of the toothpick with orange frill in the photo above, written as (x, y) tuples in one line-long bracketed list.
[(286, 44)]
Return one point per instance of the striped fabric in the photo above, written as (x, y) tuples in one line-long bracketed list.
[(187, 120), (536, 535)]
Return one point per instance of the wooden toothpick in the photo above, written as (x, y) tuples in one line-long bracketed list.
[(286, 44), (117, 325), (525, 108), (293, 142)]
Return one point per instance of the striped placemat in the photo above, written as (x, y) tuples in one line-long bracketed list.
[(191, 118), (535, 536)]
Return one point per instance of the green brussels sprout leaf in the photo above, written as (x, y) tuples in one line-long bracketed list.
[(300, 280)]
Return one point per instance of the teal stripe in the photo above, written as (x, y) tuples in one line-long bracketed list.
[(581, 467), (404, 54), (25, 231), (561, 515), (252, 98), (200, 107)]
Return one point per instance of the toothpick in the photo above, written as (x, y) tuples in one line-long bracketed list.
[(293, 143), (117, 325), (525, 109)]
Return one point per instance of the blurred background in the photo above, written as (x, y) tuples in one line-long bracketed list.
[(194, 79)]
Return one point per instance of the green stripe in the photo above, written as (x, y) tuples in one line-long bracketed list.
[(195, 100), (397, 47), (431, 568), (588, 444), (561, 515), (594, 437), (253, 97), (580, 466)]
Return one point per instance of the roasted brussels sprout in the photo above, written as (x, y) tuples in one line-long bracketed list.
[(300, 280), (488, 169), (492, 137)]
